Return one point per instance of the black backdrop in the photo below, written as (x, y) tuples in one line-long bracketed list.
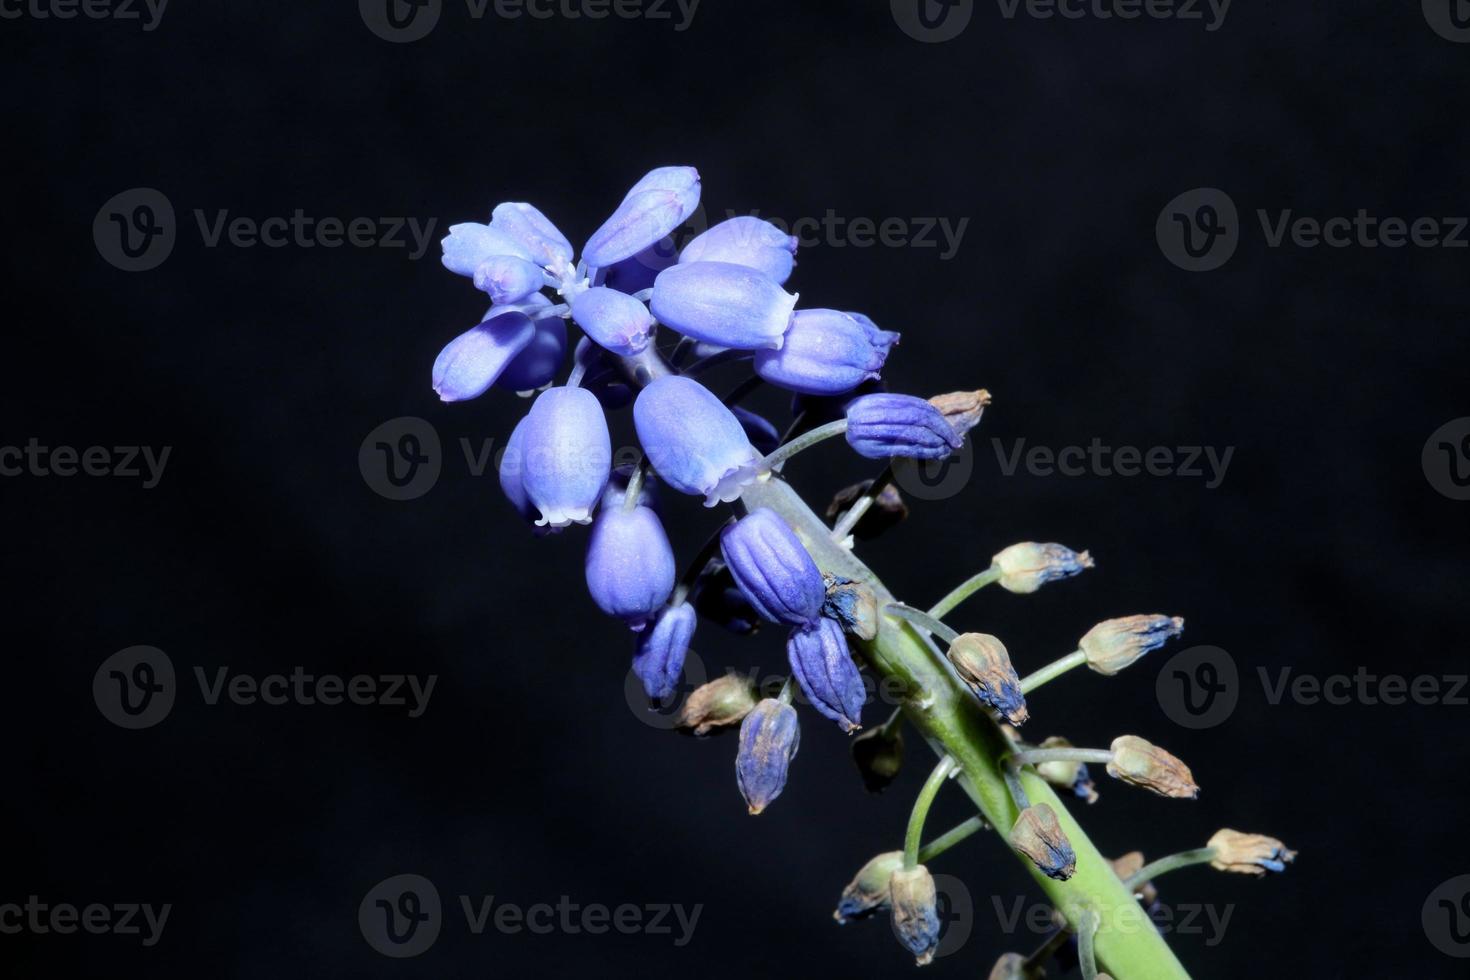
[(1327, 547)]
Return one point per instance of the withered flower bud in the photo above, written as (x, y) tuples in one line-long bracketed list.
[(962, 409), (769, 737), (868, 892), (888, 509), (1027, 566), (853, 605), (915, 911), (1038, 835), (1144, 764), (721, 702), (1011, 966), (1251, 854), (984, 664), (1129, 865), (1067, 775), (1116, 643), (878, 753)]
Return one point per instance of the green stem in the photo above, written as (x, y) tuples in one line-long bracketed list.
[(1034, 757), (950, 838), (1052, 671), (944, 711), (860, 506), (921, 810), (923, 620), (635, 487), (1086, 950), (964, 590), (1173, 862), (804, 441)]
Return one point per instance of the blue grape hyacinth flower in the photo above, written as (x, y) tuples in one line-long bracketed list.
[(695, 444), (659, 658), (769, 738), (823, 666), (773, 569), (567, 454), (884, 425)]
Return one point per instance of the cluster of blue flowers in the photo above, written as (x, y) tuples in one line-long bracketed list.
[(724, 296)]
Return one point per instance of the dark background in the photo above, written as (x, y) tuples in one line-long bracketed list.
[(529, 777)]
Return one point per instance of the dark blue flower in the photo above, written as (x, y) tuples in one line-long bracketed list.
[(822, 665), (659, 658), (772, 568), (880, 426)]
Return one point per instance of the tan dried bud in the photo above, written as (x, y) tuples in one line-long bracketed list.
[(717, 704), (1251, 854), (1067, 775), (1011, 966), (1027, 566), (1116, 643), (1129, 865), (962, 409), (983, 663), (1038, 835), (853, 605), (868, 892), (915, 903), (888, 509), (1144, 764)]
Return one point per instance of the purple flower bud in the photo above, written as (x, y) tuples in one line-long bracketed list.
[(508, 279), (822, 665), (601, 376), (769, 738), (655, 206), (630, 564), (723, 304), (826, 353), (880, 426), (762, 434), (693, 441), (748, 241), (537, 365), (773, 569), (568, 455), (469, 245), (614, 320), (659, 658), (534, 233), (471, 362)]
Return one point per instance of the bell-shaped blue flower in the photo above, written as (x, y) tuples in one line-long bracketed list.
[(723, 303), (881, 426), (630, 563), (538, 365), (826, 353), (534, 233), (655, 206), (769, 738), (508, 279), (749, 241), (615, 321), (469, 245), (822, 665), (568, 455), (693, 441), (659, 658), (471, 362), (773, 569)]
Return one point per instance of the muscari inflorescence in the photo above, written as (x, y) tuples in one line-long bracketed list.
[(724, 295)]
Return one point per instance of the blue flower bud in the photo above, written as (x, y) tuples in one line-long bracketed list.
[(822, 665), (769, 737), (659, 658), (915, 903), (471, 362), (615, 321), (655, 206), (630, 563), (534, 232), (508, 279), (762, 434), (773, 569), (748, 241), (826, 353), (723, 304), (568, 455), (537, 365), (693, 441), (469, 245), (880, 426)]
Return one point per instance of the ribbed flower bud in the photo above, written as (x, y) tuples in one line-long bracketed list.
[(962, 409), (1038, 835), (983, 663), (853, 605), (826, 353), (869, 890), (885, 425), (878, 753), (630, 564), (535, 233), (1144, 764), (615, 321), (538, 364), (773, 569), (1251, 854), (1027, 566), (1068, 775), (508, 279), (717, 704), (693, 441), (822, 665), (1115, 644), (658, 658), (749, 241), (655, 206), (471, 362), (1129, 865), (470, 245), (769, 738), (568, 455), (725, 304), (888, 509), (915, 904)]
